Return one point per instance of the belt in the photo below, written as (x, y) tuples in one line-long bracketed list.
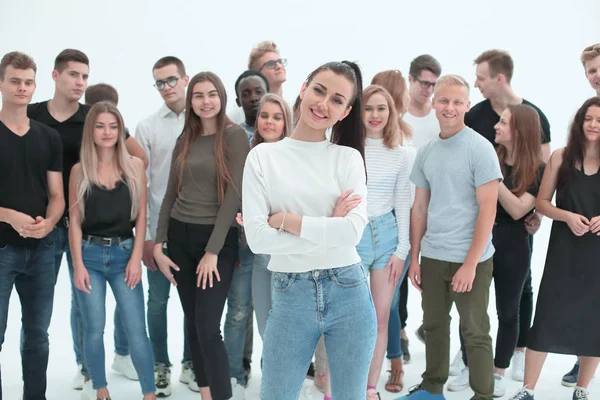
[(104, 241)]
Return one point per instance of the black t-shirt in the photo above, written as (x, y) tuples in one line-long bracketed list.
[(482, 119), (70, 131), (24, 163), (502, 216)]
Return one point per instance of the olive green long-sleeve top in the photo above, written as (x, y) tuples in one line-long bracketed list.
[(197, 201)]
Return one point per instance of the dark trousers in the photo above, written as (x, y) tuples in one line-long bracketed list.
[(31, 271), (511, 272), (437, 300), (403, 304), (203, 309)]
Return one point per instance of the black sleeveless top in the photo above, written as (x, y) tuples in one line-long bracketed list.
[(107, 212)]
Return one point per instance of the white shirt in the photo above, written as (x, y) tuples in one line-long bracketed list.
[(424, 128), (157, 135), (388, 184), (305, 179)]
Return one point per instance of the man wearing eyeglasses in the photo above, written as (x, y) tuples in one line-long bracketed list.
[(157, 135), (423, 73)]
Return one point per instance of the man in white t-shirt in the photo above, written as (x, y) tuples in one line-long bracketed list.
[(423, 73)]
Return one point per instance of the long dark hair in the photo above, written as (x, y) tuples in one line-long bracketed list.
[(527, 138), (193, 129), (575, 151), (350, 131)]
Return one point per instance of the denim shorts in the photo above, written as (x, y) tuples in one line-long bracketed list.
[(379, 241)]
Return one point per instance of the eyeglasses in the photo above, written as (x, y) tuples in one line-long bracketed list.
[(271, 64), (171, 81), (425, 84)]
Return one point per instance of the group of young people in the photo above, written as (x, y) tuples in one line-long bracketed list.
[(312, 217)]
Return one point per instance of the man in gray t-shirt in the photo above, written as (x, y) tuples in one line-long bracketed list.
[(456, 177)]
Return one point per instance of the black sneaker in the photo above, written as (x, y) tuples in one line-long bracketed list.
[(248, 370), (570, 378), (420, 334), (405, 352), (310, 374)]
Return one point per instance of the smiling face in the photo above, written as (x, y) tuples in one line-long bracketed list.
[(106, 130), (592, 73), (591, 124), (18, 86), (271, 122), (451, 103), (206, 102), (72, 81), (376, 115), (325, 100), (421, 87), (504, 134), (275, 75)]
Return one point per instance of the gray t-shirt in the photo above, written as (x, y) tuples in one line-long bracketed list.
[(452, 169)]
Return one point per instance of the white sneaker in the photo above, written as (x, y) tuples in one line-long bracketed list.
[(124, 365), (499, 385), (188, 376), (237, 390), (88, 392), (461, 382), (78, 379), (162, 380), (518, 366), (457, 365)]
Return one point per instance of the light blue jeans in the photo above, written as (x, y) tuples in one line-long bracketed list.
[(239, 303), (261, 291), (335, 303), (107, 264), (394, 347)]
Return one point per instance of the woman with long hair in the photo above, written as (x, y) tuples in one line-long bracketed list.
[(569, 287), (197, 220), (520, 156), (107, 200), (290, 192), (385, 243)]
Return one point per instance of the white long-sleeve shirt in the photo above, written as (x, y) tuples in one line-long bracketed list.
[(388, 186), (157, 135), (305, 179)]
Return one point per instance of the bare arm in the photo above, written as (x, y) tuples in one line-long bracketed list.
[(546, 152), (54, 211), (548, 187), (134, 149), (516, 206), (75, 233), (487, 197), (140, 222), (418, 221)]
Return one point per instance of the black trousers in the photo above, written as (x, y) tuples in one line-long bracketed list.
[(203, 309), (512, 269), (403, 302)]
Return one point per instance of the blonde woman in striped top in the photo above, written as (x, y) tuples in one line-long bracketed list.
[(385, 242)]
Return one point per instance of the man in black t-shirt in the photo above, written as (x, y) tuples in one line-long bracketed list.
[(31, 203), (67, 116)]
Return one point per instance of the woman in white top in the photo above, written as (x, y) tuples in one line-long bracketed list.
[(290, 192)]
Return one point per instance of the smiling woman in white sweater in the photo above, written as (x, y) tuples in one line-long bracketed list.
[(290, 192)]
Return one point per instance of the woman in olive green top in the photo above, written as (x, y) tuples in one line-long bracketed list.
[(197, 219)]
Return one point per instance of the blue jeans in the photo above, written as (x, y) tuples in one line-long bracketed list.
[(120, 337), (261, 291), (394, 347), (31, 271), (379, 241), (159, 288), (239, 302), (107, 264), (335, 303)]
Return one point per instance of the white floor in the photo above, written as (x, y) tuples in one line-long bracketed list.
[(62, 365)]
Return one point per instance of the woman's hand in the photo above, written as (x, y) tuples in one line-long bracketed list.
[(165, 263), (395, 266), (81, 279), (206, 269), (133, 273), (595, 225), (578, 224), (239, 218), (346, 203)]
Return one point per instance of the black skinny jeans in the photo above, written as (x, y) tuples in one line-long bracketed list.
[(403, 304), (203, 309), (512, 270)]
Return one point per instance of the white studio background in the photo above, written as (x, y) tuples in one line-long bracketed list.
[(123, 39)]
